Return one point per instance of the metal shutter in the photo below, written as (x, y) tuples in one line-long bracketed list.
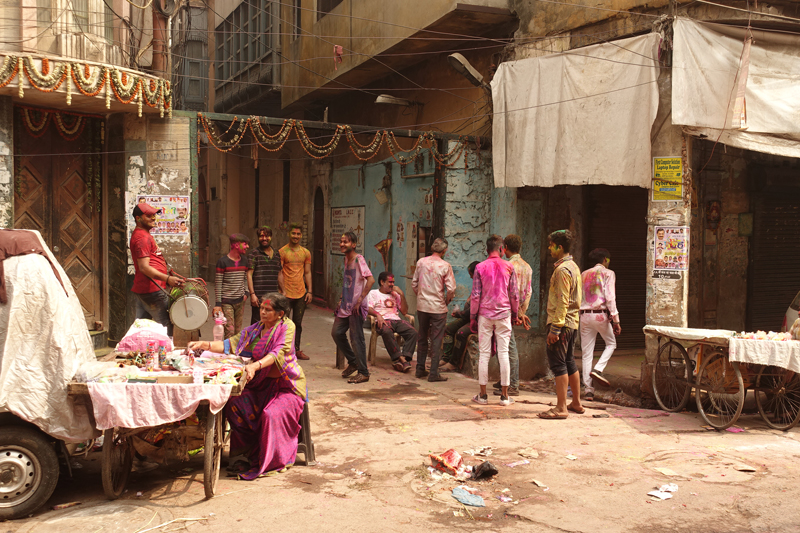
[(775, 259), (617, 221)]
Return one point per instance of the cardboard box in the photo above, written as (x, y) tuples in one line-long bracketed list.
[(175, 379)]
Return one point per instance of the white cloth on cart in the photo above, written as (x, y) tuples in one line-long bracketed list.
[(137, 405), (714, 336), (43, 342), (783, 354)]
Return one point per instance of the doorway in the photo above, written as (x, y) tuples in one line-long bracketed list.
[(57, 196), (318, 263)]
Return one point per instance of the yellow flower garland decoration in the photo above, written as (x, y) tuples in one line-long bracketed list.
[(89, 80)]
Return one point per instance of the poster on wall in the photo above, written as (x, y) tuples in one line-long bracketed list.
[(667, 178), (174, 217), (671, 252), (344, 219)]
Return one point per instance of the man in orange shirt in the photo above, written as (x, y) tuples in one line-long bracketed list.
[(294, 280)]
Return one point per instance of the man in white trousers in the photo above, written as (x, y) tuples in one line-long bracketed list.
[(598, 315), (494, 304)]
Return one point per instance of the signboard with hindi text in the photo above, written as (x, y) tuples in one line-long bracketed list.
[(344, 219), (667, 178)]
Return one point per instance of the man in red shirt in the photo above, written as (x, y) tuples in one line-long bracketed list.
[(152, 274)]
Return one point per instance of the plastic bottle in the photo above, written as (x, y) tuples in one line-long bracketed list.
[(219, 329)]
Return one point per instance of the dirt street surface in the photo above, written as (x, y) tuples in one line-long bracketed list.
[(372, 444)]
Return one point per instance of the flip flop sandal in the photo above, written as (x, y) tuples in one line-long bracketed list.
[(398, 366), (552, 414), (572, 409)]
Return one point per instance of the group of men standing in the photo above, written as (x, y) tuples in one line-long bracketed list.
[(578, 303)]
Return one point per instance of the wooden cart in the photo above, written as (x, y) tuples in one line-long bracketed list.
[(118, 446), (719, 383)]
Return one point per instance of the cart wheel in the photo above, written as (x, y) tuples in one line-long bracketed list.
[(719, 391), (672, 374), (117, 461), (212, 451), (778, 397)]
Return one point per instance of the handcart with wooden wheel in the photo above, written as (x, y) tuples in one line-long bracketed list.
[(118, 443), (720, 368)]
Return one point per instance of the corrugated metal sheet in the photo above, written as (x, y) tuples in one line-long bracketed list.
[(775, 259), (617, 221)]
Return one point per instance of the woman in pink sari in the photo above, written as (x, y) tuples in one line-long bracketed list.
[(265, 419)]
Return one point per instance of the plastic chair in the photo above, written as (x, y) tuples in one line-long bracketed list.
[(373, 339)]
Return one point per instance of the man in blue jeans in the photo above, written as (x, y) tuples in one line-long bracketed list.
[(151, 273), (352, 310)]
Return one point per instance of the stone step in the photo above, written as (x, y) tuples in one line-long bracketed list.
[(99, 338), (101, 353)]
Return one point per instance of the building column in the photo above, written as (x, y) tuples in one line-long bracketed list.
[(6, 162), (667, 299)]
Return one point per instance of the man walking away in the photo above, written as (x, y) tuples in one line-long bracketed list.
[(563, 303), (523, 273), (231, 284), (352, 310), (494, 304), (434, 284), (152, 274), (262, 274), (388, 305), (294, 281), (598, 315)]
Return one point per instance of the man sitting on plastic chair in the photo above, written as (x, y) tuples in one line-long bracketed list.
[(387, 304)]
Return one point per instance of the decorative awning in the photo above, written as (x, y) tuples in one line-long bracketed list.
[(84, 86)]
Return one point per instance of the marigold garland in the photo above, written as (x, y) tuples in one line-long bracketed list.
[(89, 80), (363, 152), (69, 131)]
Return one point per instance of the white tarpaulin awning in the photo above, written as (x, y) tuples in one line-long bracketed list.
[(580, 117), (706, 60)]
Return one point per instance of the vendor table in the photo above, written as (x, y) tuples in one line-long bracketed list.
[(728, 366), (118, 441)]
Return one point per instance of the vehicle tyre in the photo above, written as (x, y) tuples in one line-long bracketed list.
[(28, 471)]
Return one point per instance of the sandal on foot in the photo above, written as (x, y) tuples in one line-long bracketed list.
[(570, 408), (398, 366), (552, 414)]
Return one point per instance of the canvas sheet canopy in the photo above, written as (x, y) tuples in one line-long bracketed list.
[(580, 117), (706, 61)]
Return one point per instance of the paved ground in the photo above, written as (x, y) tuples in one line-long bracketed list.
[(372, 442)]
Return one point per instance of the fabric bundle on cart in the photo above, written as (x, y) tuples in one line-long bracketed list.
[(43, 342)]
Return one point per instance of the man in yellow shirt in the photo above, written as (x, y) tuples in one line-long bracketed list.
[(294, 280)]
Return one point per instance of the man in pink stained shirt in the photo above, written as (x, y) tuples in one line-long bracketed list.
[(598, 315), (435, 285), (494, 303)]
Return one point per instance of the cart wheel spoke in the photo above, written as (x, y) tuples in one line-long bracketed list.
[(671, 372), (720, 391), (778, 397)]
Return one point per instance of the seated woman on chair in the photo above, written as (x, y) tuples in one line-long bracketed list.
[(265, 419)]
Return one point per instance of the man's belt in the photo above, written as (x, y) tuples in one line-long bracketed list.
[(582, 311)]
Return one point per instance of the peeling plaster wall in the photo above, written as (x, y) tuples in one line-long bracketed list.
[(158, 161), (409, 202), (6, 162)]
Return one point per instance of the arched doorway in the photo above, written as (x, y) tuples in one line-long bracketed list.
[(318, 264)]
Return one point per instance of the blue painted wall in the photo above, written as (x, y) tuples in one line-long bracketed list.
[(407, 201)]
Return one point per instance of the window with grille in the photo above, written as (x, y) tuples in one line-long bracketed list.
[(243, 39), (80, 14), (326, 6), (43, 9), (296, 26), (109, 22)]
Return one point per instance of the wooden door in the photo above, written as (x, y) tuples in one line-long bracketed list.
[(53, 197), (318, 259)]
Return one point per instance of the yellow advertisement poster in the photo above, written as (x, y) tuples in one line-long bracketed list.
[(667, 178)]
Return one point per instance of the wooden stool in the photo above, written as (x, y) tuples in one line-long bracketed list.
[(373, 339), (304, 442)]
